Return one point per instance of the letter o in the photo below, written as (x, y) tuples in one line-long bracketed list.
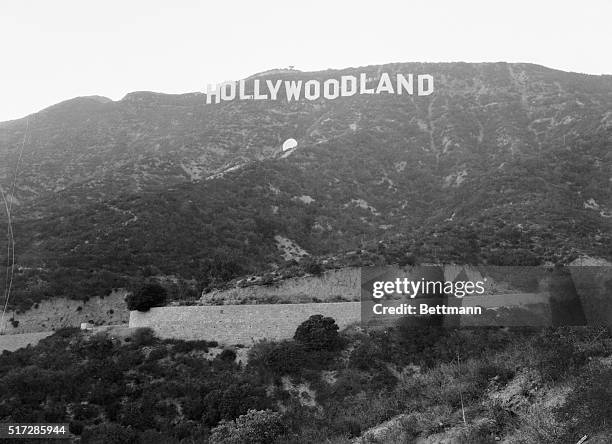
[(312, 95), (326, 89)]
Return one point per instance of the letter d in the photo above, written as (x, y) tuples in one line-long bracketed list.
[(345, 89), (430, 84)]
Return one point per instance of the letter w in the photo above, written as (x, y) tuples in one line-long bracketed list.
[(293, 89)]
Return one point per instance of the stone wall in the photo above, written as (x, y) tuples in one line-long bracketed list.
[(240, 324)]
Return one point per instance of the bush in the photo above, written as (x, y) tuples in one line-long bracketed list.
[(318, 333), (255, 427), (313, 267), (75, 427), (109, 433), (143, 336), (147, 296), (278, 359), (227, 355), (233, 400), (158, 353)]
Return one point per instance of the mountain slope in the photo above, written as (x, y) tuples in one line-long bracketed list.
[(503, 163)]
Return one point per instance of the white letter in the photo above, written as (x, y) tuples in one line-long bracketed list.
[(344, 89), (389, 287), (232, 93), (312, 95), (430, 84), (384, 84), (273, 88), (377, 306), (405, 84), (241, 92), (415, 288), (212, 90), (480, 286), (293, 89), (326, 89), (362, 85), (256, 92), (376, 290)]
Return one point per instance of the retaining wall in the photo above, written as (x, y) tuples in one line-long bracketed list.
[(240, 324)]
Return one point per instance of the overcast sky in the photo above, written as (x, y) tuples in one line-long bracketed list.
[(59, 49)]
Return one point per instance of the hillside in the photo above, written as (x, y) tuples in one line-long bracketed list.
[(406, 385), (502, 164)]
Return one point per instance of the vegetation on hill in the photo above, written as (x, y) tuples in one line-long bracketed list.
[(224, 228), (474, 385), (503, 164), (146, 296)]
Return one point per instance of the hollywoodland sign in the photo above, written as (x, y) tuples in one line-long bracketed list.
[(345, 86)]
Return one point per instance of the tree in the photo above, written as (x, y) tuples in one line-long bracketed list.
[(318, 333), (147, 296)]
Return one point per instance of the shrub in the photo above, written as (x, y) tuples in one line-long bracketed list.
[(313, 267), (109, 433), (255, 427), (227, 355), (318, 333), (75, 427), (365, 356), (233, 400), (157, 353), (193, 407), (143, 336), (279, 359), (152, 436), (147, 296), (84, 411)]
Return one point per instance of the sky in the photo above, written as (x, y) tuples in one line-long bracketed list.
[(56, 50)]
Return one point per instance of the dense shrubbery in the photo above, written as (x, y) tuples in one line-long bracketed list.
[(278, 358), (142, 336), (146, 296), (133, 393), (254, 427), (213, 231), (149, 390)]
